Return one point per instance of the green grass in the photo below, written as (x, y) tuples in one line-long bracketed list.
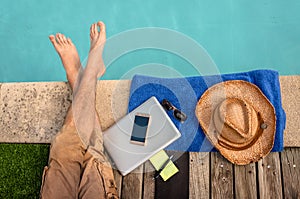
[(21, 169)]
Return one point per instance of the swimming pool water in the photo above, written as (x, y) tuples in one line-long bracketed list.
[(238, 35)]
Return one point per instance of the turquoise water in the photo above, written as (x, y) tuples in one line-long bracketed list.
[(238, 35)]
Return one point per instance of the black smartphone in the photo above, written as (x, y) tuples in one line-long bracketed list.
[(140, 128)]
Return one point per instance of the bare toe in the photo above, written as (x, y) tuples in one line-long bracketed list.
[(93, 31), (64, 39), (101, 25), (69, 41), (53, 40), (57, 37), (60, 39)]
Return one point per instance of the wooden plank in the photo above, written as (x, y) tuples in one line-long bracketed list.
[(290, 161), (245, 181), (269, 176), (221, 177), (199, 175), (149, 182), (178, 185), (133, 184)]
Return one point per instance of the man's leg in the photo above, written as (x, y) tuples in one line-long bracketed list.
[(97, 169), (84, 104), (62, 176)]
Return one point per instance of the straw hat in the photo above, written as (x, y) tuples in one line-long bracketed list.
[(238, 120)]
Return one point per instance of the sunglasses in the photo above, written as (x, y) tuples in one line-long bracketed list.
[(177, 113)]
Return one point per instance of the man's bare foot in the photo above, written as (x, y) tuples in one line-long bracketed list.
[(69, 56), (98, 39)]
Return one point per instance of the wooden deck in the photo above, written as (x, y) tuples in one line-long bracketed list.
[(209, 175)]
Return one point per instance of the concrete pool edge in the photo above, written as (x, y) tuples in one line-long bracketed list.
[(34, 112)]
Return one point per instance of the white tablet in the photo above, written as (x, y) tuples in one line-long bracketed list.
[(131, 141)]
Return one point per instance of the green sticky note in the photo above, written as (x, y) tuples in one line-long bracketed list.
[(158, 160), (169, 171)]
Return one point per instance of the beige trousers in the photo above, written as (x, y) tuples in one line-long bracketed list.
[(73, 172)]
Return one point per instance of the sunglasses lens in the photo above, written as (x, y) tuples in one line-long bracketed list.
[(180, 115), (166, 104)]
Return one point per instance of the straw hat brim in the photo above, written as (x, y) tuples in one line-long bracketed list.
[(253, 95)]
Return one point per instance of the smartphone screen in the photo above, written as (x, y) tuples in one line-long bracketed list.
[(140, 128)]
